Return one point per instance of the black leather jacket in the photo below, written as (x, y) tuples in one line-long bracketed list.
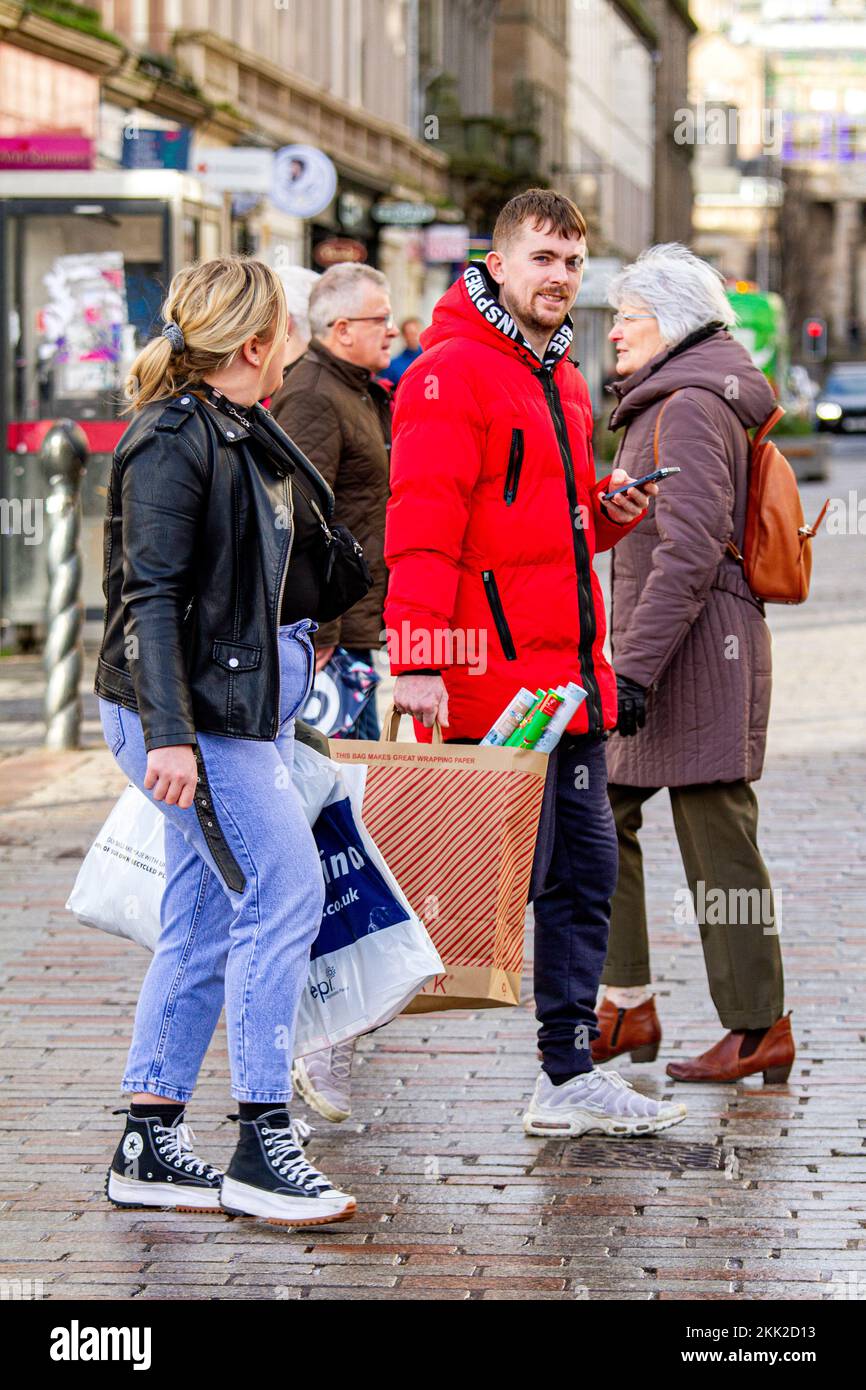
[(198, 539)]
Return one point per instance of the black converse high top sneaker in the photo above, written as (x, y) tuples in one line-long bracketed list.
[(270, 1177), (155, 1165)]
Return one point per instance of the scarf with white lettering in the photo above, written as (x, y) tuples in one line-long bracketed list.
[(484, 293)]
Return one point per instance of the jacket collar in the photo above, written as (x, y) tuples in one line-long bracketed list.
[(226, 417), (358, 378)]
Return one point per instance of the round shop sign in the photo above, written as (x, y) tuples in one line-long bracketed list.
[(305, 180), (336, 249)]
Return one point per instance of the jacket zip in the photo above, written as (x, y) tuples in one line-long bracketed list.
[(492, 592), (285, 572), (515, 462), (586, 607)]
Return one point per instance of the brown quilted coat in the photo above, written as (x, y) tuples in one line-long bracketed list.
[(341, 419), (684, 623)]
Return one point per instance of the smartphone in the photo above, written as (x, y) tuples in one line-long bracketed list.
[(639, 482)]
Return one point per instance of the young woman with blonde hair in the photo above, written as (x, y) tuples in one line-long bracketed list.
[(213, 579)]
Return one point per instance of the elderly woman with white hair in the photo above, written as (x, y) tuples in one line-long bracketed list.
[(691, 652), (297, 284)]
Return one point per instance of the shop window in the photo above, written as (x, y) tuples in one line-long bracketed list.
[(85, 291)]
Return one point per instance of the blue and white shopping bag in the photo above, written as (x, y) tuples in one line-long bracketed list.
[(371, 945)]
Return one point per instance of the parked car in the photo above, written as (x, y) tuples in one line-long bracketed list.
[(841, 404)]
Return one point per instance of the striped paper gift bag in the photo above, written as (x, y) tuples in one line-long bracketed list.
[(457, 824)]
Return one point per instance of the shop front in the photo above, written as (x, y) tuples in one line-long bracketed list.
[(86, 259)]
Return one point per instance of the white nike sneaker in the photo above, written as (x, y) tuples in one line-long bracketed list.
[(596, 1102), (324, 1080)]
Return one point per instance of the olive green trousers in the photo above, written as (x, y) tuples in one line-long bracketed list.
[(729, 896)]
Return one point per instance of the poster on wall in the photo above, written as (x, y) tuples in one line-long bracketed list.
[(83, 323)]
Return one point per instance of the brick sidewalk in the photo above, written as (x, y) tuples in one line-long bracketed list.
[(757, 1195)]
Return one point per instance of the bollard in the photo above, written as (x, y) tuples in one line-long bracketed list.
[(63, 456)]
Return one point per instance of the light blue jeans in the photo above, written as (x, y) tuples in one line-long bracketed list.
[(249, 950)]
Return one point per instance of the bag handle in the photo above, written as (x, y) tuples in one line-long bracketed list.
[(391, 725)]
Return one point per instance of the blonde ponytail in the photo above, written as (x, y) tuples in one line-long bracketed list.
[(217, 305)]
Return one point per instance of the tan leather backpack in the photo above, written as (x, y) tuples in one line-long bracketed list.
[(777, 544)]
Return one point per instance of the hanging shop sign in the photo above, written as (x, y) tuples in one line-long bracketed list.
[(445, 243), (336, 249), (155, 149), (46, 152), (353, 210), (304, 181), (403, 214), (235, 168)]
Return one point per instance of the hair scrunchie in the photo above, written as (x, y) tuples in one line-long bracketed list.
[(174, 333)]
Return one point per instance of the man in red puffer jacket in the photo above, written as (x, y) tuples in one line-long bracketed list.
[(493, 521)]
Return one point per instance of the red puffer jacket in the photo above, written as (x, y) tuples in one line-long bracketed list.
[(494, 518)]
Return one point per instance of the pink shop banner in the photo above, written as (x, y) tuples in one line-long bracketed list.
[(46, 152)]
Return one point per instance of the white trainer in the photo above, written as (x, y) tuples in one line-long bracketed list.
[(597, 1102), (324, 1080)]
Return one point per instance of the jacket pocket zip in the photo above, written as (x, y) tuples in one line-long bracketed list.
[(492, 592), (515, 463)]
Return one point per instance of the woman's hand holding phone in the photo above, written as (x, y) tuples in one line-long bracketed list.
[(625, 506)]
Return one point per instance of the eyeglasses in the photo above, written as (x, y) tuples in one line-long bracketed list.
[(386, 319), (630, 318)]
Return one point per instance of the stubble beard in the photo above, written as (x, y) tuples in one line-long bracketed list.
[(527, 319)]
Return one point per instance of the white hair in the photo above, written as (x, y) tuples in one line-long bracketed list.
[(297, 285), (683, 292), (339, 293)]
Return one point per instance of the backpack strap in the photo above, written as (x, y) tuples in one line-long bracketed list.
[(659, 425), (755, 440), (770, 423), (809, 531)]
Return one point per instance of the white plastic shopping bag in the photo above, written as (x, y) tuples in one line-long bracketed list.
[(315, 776), (372, 954), (120, 884)]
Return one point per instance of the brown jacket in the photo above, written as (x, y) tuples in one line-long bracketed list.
[(684, 623), (341, 419)]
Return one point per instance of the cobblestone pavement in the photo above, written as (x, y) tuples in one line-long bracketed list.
[(758, 1195)]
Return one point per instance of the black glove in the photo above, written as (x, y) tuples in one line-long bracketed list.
[(631, 699)]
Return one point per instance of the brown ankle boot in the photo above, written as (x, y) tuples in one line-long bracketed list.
[(774, 1056), (637, 1031)]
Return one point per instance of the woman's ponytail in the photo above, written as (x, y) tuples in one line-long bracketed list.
[(211, 309), (152, 375)]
